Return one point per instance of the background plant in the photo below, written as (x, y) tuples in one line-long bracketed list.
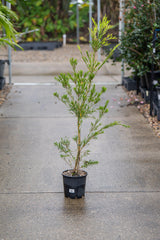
[(53, 18), (50, 17), (7, 31), (82, 99), (141, 18)]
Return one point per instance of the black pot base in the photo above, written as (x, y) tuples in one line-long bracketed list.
[(76, 192)]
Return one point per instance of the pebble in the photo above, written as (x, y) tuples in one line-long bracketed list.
[(145, 111), (3, 94)]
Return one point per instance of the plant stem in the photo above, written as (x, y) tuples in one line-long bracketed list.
[(78, 147)]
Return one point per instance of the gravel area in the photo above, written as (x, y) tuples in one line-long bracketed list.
[(62, 54), (4, 93), (144, 109)]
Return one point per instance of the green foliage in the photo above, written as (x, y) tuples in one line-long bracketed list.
[(88, 163), (6, 24), (83, 100), (141, 18), (64, 148), (52, 18), (99, 36), (49, 17)]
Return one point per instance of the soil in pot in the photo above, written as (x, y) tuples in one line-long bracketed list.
[(74, 185)]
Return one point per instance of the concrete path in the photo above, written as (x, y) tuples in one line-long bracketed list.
[(122, 193)]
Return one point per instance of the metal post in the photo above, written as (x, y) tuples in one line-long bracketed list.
[(152, 72), (77, 22), (90, 19), (98, 21), (9, 53), (10, 66), (120, 19), (121, 29)]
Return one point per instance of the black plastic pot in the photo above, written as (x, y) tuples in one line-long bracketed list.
[(156, 103), (156, 75), (39, 45), (158, 95), (2, 64), (2, 82), (129, 83), (146, 80), (143, 83), (2, 79), (74, 186)]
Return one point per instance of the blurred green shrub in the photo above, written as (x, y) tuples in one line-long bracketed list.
[(52, 18)]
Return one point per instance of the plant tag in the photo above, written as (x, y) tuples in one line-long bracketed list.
[(155, 82), (147, 93), (71, 190), (154, 50)]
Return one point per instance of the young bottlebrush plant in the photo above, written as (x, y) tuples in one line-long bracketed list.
[(81, 98)]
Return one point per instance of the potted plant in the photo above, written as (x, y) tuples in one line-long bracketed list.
[(83, 101)]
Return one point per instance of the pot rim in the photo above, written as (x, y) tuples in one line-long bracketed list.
[(74, 176)]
